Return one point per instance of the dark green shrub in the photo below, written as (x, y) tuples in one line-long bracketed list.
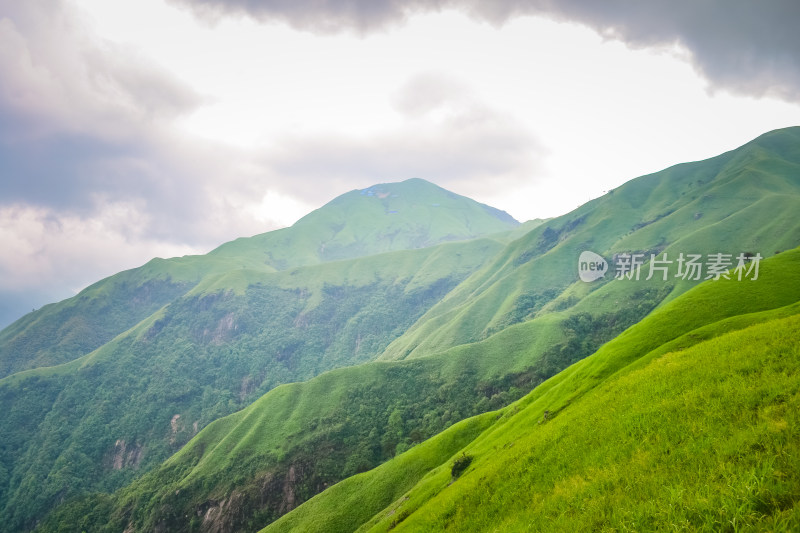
[(460, 464)]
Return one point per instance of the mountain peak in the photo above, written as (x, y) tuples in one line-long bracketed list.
[(419, 194), (404, 215)]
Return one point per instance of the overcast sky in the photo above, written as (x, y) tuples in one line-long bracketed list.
[(130, 130)]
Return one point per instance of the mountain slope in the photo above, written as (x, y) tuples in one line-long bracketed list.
[(513, 359), (737, 202), (689, 417), (389, 217), (671, 463), (63, 331), (217, 332), (531, 316)]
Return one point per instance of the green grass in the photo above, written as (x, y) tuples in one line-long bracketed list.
[(688, 418), (737, 202), (703, 439), (382, 218), (290, 425), (417, 268), (210, 352), (351, 502), (224, 458), (245, 328)]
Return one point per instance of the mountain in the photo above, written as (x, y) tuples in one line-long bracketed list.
[(689, 418), (388, 217), (522, 316), (737, 202), (383, 218), (106, 385)]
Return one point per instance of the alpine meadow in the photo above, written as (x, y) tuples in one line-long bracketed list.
[(407, 359)]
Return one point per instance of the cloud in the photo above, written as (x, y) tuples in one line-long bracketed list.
[(47, 255), (326, 16), (40, 243), (746, 47), (78, 117), (85, 122), (94, 177), (427, 92), (448, 135), (57, 76)]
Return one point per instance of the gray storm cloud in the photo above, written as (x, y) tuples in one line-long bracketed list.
[(83, 120), (745, 46), (92, 177)]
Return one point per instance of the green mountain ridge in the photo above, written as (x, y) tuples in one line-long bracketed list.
[(381, 218), (514, 323), (101, 395), (404, 344), (725, 204), (615, 440), (128, 405), (267, 411), (396, 216)]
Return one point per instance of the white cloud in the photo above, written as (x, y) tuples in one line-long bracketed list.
[(276, 209), (41, 246)]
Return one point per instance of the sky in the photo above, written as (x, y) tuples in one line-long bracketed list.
[(159, 128)]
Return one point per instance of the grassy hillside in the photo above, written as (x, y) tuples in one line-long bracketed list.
[(240, 469), (503, 331), (99, 420), (260, 462), (395, 216), (740, 201), (391, 216), (689, 419), (64, 331), (703, 439)]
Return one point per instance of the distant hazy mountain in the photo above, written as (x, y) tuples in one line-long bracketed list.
[(392, 216), (395, 216)]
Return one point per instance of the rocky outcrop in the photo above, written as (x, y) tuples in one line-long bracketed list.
[(271, 495), (125, 455)]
